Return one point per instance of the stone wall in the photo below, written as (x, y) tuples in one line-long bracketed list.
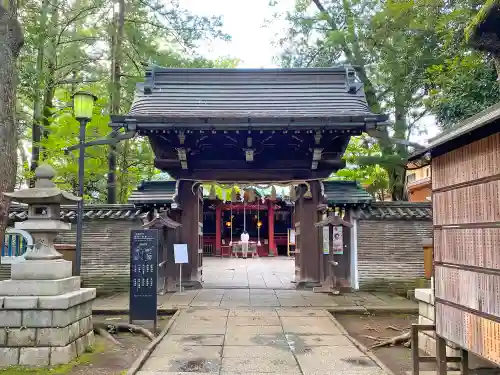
[(105, 253), (390, 252)]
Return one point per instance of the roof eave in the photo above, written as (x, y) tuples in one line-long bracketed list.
[(165, 123)]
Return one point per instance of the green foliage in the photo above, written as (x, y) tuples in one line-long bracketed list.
[(464, 85), (71, 50), (372, 177), (411, 56)]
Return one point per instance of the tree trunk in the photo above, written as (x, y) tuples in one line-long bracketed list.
[(124, 172), (49, 91), (11, 41), (115, 89), (398, 172), (36, 134)]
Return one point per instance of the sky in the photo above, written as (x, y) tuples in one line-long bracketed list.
[(253, 38)]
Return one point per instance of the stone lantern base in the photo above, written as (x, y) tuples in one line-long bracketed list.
[(45, 317)]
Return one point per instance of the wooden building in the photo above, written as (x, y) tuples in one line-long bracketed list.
[(250, 126), (466, 208)]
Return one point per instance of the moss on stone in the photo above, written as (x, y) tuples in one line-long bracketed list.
[(84, 359), (399, 287)]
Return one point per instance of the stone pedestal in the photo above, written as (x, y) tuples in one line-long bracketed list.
[(44, 322), (427, 340), (45, 317)]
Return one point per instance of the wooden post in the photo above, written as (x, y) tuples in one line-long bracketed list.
[(464, 362), (270, 217), (442, 365), (415, 358), (428, 258), (218, 237)]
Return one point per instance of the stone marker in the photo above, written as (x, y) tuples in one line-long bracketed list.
[(45, 317)]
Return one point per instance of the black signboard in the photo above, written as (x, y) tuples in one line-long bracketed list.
[(144, 245)]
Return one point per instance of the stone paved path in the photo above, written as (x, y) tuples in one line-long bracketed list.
[(230, 298), (261, 273), (256, 341)]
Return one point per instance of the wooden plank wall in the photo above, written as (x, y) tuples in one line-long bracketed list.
[(466, 210)]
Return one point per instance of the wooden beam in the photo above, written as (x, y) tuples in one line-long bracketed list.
[(249, 174)]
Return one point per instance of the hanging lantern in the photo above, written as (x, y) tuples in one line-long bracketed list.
[(251, 195), (233, 195), (273, 193), (213, 194), (293, 196)]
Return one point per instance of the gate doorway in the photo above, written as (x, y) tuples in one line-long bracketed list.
[(264, 212)]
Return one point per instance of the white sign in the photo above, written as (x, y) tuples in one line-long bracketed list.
[(181, 253), (291, 236), (326, 240), (338, 244)]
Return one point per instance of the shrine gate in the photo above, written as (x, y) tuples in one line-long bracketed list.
[(250, 126)]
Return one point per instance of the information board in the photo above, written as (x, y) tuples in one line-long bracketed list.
[(181, 253), (144, 245)]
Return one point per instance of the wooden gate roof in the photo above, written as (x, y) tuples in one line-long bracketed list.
[(249, 124), (255, 94)]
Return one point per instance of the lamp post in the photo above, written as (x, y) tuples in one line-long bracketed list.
[(83, 106)]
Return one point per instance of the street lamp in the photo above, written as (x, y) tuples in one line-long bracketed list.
[(83, 106)]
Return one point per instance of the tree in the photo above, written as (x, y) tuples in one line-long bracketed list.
[(373, 177), (100, 46), (11, 41), (410, 56), (463, 86)]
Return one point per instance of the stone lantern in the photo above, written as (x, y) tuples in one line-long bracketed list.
[(45, 317)]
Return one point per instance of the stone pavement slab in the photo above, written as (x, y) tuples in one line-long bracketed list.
[(227, 299), (253, 341)]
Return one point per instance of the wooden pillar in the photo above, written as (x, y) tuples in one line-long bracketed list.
[(190, 217), (270, 217), (218, 228), (310, 250)]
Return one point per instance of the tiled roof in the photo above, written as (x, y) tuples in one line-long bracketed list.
[(252, 93), (397, 211), (91, 212), (154, 193), (345, 192)]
